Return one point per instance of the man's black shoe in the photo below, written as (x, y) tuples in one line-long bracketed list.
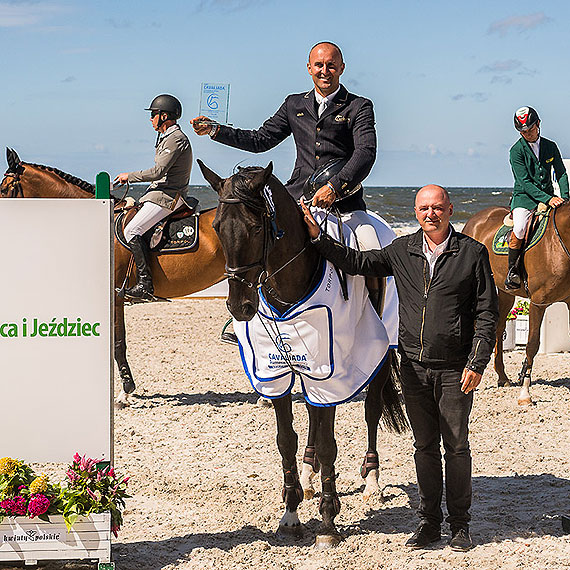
[(461, 540), (424, 535)]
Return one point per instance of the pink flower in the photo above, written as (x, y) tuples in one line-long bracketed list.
[(72, 475), (38, 505), (115, 529), (77, 458), (7, 505), (19, 507)]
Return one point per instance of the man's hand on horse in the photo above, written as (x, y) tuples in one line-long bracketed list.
[(555, 201), (470, 380), (122, 178), (324, 197), (314, 229), (202, 125)]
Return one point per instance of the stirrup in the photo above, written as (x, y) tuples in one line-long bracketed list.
[(513, 280)]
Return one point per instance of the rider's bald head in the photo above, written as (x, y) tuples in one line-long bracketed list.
[(434, 192), (328, 45)]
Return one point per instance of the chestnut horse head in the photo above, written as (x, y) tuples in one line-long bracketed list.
[(24, 180)]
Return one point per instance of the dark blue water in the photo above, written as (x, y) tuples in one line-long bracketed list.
[(394, 204)]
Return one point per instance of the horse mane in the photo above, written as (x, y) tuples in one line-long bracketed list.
[(83, 184)]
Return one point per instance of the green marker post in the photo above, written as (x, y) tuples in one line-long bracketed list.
[(103, 186)]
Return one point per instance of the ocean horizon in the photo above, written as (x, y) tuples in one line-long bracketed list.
[(393, 203)]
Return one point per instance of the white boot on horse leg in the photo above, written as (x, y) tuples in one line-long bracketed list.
[(290, 524), (306, 478), (371, 486), (122, 400)]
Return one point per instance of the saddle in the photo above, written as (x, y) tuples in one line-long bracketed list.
[(534, 233), (175, 234)]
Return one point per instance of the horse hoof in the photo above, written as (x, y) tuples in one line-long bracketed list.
[(129, 386), (121, 404), (264, 402), (504, 383), (326, 541), (525, 402), (295, 531), (308, 493)]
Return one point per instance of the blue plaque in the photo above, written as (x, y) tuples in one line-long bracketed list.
[(215, 101)]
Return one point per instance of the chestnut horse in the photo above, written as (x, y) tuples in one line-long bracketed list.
[(547, 266), (266, 246), (174, 275)]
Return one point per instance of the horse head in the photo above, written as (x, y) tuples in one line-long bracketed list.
[(243, 225), (10, 187)]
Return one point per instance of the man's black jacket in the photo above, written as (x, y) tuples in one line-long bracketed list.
[(448, 318), (345, 130)]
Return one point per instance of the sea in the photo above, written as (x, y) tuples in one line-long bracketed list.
[(393, 203)]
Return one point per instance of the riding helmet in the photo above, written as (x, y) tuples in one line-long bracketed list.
[(525, 118), (167, 104), (323, 174)]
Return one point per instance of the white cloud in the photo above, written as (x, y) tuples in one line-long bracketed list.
[(518, 23), (25, 14)]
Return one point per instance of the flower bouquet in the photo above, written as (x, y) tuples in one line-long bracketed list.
[(521, 308), (91, 487)]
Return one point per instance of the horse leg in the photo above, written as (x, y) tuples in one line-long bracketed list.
[(535, 316), (369, 470), (506, 303), (287, 445), (310, 465), (128, 386), (329, 505)]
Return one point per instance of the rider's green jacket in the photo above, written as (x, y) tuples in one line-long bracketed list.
[(533, 179)]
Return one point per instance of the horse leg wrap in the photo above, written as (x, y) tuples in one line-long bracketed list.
[(330, 496), (292, 485), (310, 457), (370, 462)]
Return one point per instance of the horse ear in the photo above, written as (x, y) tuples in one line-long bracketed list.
[(261, 178), (211, 177), (12, 158)]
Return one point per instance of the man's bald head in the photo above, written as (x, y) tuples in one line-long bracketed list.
[(328, 45), (435, 192)]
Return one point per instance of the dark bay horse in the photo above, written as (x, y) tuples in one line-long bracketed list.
[(547, 265), (285, 269), (175, 275)]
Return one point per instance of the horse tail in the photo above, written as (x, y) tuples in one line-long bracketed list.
[(393, 416)]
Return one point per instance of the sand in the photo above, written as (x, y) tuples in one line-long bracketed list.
[(206, 478)]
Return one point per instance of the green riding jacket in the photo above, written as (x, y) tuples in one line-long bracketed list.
[(533, 180)]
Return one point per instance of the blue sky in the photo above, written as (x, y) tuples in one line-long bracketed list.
[(445, 78)]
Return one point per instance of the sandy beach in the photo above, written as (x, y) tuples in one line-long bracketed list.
[(206, 478)]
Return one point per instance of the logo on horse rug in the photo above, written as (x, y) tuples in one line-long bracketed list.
[(503, 234), (175, 235)]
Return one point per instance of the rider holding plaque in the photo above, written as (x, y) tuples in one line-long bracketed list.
[(335, 140)]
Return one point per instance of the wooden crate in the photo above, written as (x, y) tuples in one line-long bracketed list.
[(32, 540)]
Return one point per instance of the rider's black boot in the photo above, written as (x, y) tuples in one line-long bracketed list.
[(143, 289), (513, 280)]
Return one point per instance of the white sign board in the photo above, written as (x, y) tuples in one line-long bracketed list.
[(215, 101), (56, 329)]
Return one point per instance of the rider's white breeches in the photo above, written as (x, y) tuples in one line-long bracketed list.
[(148, 216), (521, 217), (359, 222)]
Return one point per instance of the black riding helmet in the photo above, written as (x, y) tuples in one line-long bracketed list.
[(322, 175), (525, 118), (167, 104)]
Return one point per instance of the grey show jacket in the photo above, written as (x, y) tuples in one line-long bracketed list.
[(450, 317), (171, 171)]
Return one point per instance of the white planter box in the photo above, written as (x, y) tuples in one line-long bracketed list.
[(521, 329), (31, 540), (509, 335)]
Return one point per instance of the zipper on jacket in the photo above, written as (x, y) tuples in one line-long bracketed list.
[(426, 289), (475, 353)]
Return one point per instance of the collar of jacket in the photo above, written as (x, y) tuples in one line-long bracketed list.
[(415, 243), (340, 99), (529, 151)]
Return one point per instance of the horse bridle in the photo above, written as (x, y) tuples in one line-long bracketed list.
[(270, 234), (15, 185)]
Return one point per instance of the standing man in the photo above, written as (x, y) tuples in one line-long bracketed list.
[(448, 316), (169, 179), (532, 158), (327, 123)]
